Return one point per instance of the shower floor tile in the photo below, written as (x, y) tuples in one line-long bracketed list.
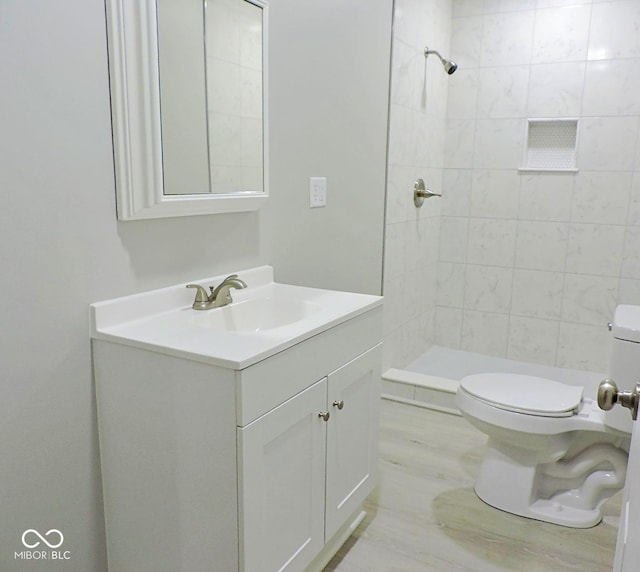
[(456, 364)]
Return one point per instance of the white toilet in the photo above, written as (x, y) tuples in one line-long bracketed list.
[(553, 454)]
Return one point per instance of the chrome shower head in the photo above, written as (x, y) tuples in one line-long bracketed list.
[(448, 65)]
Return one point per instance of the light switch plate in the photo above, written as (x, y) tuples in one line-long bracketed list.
[(317, 192)]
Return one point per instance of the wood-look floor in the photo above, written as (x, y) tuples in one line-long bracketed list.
[(424, 515)]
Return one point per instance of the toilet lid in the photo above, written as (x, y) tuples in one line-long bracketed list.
[(524, 393)]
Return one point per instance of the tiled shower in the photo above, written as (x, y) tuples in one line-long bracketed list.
[(529, 264)]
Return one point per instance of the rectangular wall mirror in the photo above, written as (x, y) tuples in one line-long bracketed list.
[(189, 107)]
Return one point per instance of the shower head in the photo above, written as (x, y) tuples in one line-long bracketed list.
[(449, 65)]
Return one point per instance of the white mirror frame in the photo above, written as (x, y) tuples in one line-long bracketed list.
[(135, 110)]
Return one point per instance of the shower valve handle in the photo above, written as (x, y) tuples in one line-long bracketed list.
[(420, 192), (609, 395)]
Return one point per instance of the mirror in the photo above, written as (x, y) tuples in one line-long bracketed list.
[(189, 113)]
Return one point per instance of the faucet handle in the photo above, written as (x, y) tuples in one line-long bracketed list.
[(202, 298)]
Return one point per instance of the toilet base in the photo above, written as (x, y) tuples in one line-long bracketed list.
[(553, 512), (565, 492)]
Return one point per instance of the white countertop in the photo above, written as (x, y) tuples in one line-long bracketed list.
[(163, 320)]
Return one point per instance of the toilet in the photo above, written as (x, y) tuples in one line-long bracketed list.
[(552, 454)]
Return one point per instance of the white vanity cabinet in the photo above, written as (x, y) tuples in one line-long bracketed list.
[(264, 468), (306, 467)]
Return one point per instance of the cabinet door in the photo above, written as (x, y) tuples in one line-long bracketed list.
[(352, 437), (281, 468)]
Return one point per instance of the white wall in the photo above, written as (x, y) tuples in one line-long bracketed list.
[(329, 77), (416, 150), (532, 265), (62, 248)]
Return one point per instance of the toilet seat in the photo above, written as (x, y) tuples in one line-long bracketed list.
[(524, 394)]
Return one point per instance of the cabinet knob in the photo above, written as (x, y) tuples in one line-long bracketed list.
[(338, 404), (324, 415)]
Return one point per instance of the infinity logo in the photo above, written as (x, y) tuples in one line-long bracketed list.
[(37, 543)]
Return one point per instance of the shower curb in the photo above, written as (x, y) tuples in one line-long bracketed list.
[(421, 390)]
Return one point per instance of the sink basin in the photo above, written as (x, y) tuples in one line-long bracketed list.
[(255, 315)]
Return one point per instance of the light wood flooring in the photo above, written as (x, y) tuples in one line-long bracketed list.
[(424, 515)]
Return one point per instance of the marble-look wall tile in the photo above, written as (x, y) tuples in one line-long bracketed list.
[(498, 143), (589, 299), (557, 3), (574, 253), (392, 350), (432, 154), (542, 245), (517, 263), (393, 291), (629, 291), (485, 333), (402, 135), (448, 327), (400, 205), (459, 140), (491, 242), (584, 347), (502, 92), (494, 6), (450, 284), (419, 293), (537, 294), (532, 340), (546, 196), (453, 239), (395, 247), (456, 192), (462, 94), (634, 205), (595, 249), (614, 30), (495, 193), (601, 197), (631, 255), (467, 8), (488, 288), (555, 89), (405, 24), (561, 34), (607, 143), (507, 39), (417, 128), (466, 41), (403, 68), (611, 87), (415, 340)]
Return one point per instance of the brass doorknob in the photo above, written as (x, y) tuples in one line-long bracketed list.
[(324, 415), (338, 404), (609, 395)]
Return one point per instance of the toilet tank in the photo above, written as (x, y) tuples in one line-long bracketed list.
[(625, 361)]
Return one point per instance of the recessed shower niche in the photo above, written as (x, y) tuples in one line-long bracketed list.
[(551, 145)]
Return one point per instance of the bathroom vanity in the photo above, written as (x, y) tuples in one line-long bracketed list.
[(239, 438)]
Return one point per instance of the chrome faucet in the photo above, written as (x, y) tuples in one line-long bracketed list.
[(218, 297)]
